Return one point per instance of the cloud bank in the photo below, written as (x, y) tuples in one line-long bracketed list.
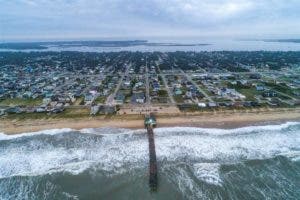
[(50, 19)]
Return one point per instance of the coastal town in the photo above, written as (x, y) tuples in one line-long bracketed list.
[(89, 84)]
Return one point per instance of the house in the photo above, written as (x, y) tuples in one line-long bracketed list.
[(127, 84), (40, 110), (72, 97), (53, 103), (189, 94), (107, 109), (88, 99), (46, 101), (57, 110), (269, 93), (274, 102), (13, 110), (2, 112), (48, 94), (296, 93), (237, 104), (138, 97), (30, 110), (2, 91), (94, 110), (243, 83), (155, 85), (178, 91), (212, 104), (260, 87), (27, 94), (59, 105), (201, 105), (254, 103), (228, 104), (227, 92), (120, 98), (255, 76), (247, 104), (138, 85)]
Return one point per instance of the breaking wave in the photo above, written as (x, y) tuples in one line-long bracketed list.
[(187, 156)]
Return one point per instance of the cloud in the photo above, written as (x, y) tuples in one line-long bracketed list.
[(117, 18)]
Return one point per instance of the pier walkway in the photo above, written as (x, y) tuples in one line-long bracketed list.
[(150, 123)]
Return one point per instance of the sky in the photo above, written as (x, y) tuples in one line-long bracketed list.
[(26, 20)]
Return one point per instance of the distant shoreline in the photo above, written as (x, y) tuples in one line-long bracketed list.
[(204, 120), (283, 40), (108, 44)]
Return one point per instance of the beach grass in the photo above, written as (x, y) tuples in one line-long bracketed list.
[(21, 102)]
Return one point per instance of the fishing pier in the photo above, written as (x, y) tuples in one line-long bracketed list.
[(150, 124)]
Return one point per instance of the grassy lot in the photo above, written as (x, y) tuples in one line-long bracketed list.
[(205, 90), (67, 113), (74, 113), (249, 93), (163, 93), (282, 88), (23, 116), (100, 99), (79, 101), (21, 102), (221, 99), (178, 98)]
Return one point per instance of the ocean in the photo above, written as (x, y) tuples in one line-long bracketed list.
[(255, 162)]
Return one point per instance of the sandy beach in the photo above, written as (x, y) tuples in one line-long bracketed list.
[(206, 120)]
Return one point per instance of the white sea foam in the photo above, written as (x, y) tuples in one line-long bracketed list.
[(26, 189), (117, 153), (104, 131), (107, 131), (208, 172), (36, 158), (180, 178), (226, 149), (293, 155), (216, 131), (4, 136)]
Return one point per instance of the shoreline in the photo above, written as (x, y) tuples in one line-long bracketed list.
[(204, 120)]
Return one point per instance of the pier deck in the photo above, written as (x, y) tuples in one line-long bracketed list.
[(150, 122), (152, 160)]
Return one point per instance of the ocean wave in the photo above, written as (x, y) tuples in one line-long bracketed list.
[(107, 131), (293, 155), (20, 189), (158, 131), (208, 172), (216, 131), (41, 156), (4, 136), (98, 131), (120, 152)]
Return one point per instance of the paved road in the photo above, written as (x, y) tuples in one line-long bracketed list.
[(148, 102), (111, 97), (168, 90), (173, 102)]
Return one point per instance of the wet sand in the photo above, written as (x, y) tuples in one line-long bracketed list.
[(205, 120)]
